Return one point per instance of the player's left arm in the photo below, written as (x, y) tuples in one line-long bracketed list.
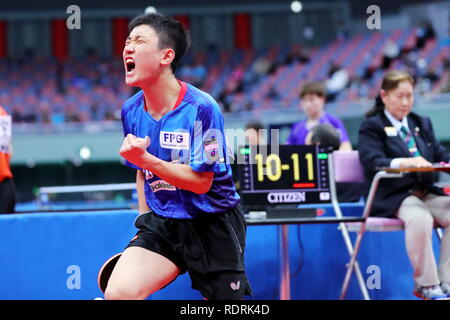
[(134, 149)]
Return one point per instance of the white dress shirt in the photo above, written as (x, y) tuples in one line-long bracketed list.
[(395, 163)]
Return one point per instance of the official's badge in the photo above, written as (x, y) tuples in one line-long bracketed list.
[(390, 131)]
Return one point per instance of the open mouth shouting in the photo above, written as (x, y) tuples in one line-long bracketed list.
[(129, 65)]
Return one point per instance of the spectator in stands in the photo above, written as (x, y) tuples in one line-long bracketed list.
[(359, 89), (273, 93), (426, 81), (71, 113), (17, 114), (338, 80), (199, 73), (7, 187), (431, 75), (446, 64), (424, 33), (312, 102), (44, 112), (259, 69), (233, 85), (297, 55), (195, 72), (445, 88), (393, 136), (391, 51)]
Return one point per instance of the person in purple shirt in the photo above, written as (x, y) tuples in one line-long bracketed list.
[(312, 102)]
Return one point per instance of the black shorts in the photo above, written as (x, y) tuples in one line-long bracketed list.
[(210, 248)]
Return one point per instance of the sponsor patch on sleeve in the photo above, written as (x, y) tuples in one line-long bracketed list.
[(211, 148)]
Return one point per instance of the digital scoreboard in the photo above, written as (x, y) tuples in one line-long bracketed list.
[(292, 174)]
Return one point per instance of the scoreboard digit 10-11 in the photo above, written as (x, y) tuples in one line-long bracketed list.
[(292, 174)]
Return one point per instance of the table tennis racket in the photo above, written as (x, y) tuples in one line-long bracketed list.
[(105, 271)]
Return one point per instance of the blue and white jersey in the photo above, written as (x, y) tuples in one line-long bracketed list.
[(193, 134)]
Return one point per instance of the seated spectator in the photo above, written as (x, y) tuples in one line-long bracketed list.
[(431, 75), (297, 54), (424, 33), (312, 102), (338, 80), (445, 88), (259, 69), (391, 51), (446, 64)]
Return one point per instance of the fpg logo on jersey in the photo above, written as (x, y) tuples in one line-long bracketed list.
[(173, 137), (174, 140)]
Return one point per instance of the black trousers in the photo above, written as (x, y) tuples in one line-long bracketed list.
[(7, 196)]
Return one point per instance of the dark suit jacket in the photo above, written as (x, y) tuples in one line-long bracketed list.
[(377, 149)]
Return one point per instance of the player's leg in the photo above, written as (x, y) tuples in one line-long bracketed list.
[(138, 273), (215, 256)]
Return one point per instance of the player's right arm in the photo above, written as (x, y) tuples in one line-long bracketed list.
[(142, 203), (134, 150)]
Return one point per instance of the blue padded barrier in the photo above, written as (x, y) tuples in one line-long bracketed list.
[(58, 255)]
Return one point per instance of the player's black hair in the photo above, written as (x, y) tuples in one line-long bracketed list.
[(171, 33)]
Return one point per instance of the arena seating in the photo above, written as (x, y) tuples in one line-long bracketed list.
[(91, 89)]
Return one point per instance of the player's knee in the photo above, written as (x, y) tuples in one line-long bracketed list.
[(115, 293), (121, 293)]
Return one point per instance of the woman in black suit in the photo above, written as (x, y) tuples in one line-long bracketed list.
[(393, 136)]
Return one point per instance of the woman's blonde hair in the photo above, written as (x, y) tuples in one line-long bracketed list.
[(390, 81)]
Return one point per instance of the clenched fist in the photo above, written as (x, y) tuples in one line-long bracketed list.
[(134, 149)]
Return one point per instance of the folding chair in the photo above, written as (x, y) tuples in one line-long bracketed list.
[(344, 167)]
